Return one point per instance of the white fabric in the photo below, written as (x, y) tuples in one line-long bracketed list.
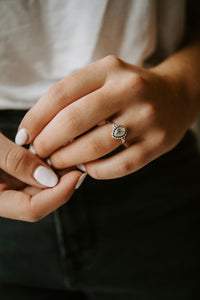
[(42, 41)]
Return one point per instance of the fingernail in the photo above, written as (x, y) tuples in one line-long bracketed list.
[(81, 167), (69, 142), (48, 161), (21, 137), (32, 149), (45, 176), (80, 181), (102, 123)]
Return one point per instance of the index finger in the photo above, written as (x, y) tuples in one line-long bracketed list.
[(66, 91), (24, 165)]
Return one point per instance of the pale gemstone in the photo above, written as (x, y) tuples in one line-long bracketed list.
[(119, 131), (21, 137)]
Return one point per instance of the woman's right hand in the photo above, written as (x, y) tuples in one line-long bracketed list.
[(29, 189)]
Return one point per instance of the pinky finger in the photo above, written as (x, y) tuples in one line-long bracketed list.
[(121, 164)]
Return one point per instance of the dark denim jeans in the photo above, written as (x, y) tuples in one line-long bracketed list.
[(136, 237)]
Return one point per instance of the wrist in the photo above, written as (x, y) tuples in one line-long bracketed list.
[(183, 70), (179, 89)]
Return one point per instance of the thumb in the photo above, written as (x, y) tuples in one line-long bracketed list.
[(25, 166)]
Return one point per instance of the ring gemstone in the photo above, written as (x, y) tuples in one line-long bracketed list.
[(119, 132)]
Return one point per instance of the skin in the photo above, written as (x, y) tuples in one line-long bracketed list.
[(156, 105), (21, 197)]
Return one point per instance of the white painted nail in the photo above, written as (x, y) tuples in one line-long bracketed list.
[(45, 176), (81, 167), (102, 123), (21, 137), (80, 181), (48, 161), (32, 149)]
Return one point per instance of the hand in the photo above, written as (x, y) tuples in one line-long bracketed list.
[(21, 196), (147, 102)]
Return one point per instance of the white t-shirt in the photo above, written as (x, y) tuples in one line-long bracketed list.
[(42, 41)]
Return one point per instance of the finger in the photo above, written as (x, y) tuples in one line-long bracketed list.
[(23, 206), (99, 141), (121, 164), (88, 147), (9, 182), (84, 114), (25, 166), (32, 190), (60, 95), (76, 119), (63, 171)]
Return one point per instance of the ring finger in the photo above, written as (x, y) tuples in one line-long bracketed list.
[(90, 146)]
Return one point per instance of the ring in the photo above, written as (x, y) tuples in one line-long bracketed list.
[(119, 132)]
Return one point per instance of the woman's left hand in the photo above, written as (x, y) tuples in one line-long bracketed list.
[(148, 103)]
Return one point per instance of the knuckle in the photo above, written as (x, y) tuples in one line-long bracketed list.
[(113, 61), (29, 218), (56, 91), (74, 118), (139, 81), (33, 216), (40, 147), (33, 219), (58, 159), (14, 159), (95, 173), (126, 167), (135, 82), (30, 213), (93, 147), (162, 138), (142, 159), (149, 111)]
